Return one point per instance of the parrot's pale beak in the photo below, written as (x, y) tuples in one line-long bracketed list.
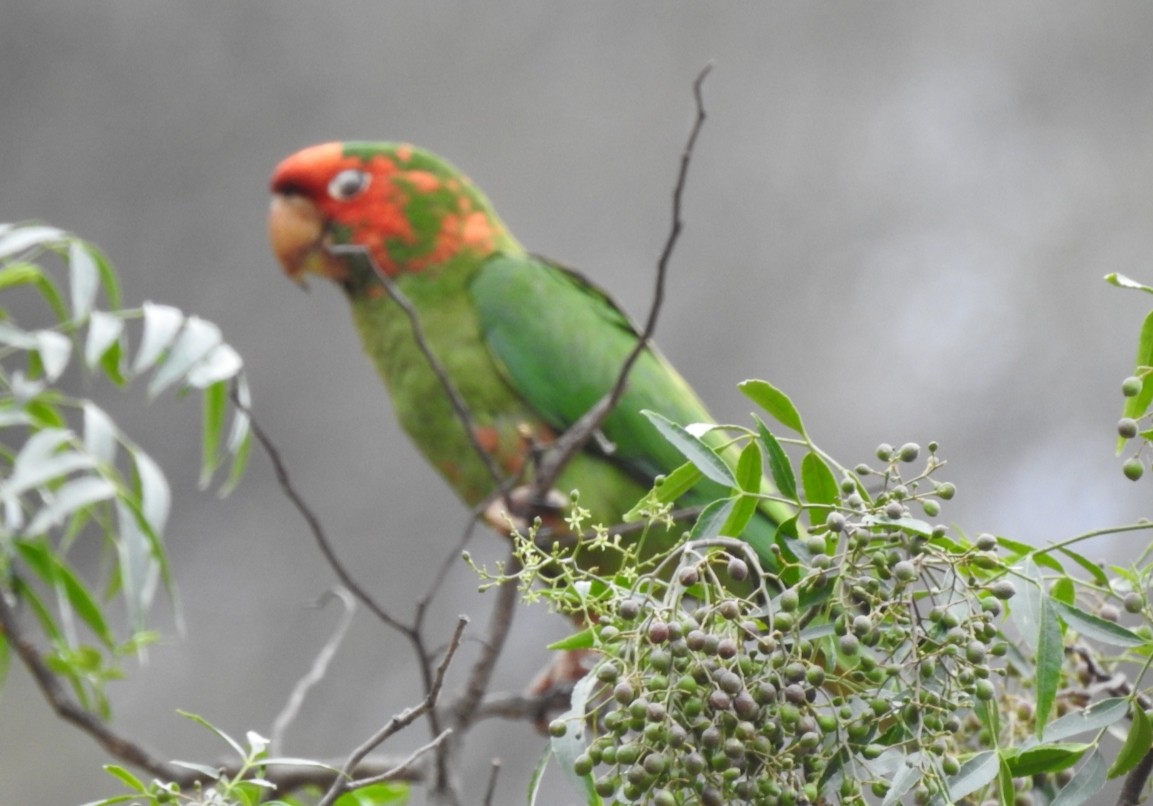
[(296, 231)]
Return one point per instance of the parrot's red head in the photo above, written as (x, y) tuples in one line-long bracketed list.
[(410, 211)]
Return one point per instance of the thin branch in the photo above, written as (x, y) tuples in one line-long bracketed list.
[(317, 671), (398, 722), (326, 548), (560, 452), (504, 608), (401, 769), (490, 790), (119, 747), (459, 406)]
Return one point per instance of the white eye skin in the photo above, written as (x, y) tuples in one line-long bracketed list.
[(348, 184)]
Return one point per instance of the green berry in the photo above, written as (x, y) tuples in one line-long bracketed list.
[(1127, 427), (909, 452), (884, 452), (1131, 386), (1133, 602), (1133, 469)]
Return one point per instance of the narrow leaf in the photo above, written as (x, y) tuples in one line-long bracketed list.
[(1136, 745), (775, 402), (155, 494), (100, 434), (220, 365), (1097, 716), (138, 566), (697, 452), (71, 496), (1050, 656), (55, 349), (84, 279), (103, 331), (672, 487), (20, 239), (1097, 628), (820, 487), (976, 773), (712, 519), (1046, 758), (1085, 784), (750, 468), (196, 339), (779, 464), (161, 323), (1121, 281), (214, 401), (743, 509)]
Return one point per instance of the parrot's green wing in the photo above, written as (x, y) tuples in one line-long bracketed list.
[(562, 342)]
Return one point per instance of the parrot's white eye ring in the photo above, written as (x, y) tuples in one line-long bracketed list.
[(348, 184)]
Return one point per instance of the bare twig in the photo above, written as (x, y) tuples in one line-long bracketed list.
[(400, 721), (490, 790), (458, 405), (401, 769), (560, 452), (326, 548), (316, 672), (504, 608), (66, 708)]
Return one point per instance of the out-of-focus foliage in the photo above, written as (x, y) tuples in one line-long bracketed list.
[(68, 473)]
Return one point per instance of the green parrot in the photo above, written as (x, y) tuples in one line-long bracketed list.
[(528, 344)]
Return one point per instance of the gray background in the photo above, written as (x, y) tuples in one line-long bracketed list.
[(898, 213)]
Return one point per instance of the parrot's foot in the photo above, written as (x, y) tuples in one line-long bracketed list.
[(567, 667)]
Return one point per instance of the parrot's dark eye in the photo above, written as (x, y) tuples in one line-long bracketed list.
[(348, 184)]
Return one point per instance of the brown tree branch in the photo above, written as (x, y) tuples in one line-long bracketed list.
[(557, 455)]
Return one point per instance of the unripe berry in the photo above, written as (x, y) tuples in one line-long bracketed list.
[(1131, 386), (910, 451), (1133, 469), (1127, 427)]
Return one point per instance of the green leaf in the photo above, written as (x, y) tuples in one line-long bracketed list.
[(1046, 758), (1137, 405), (1005, 782), (161, 324), (195, 341), (775, 402), (100, 434), (222, 364), (566, 748), (693, 449), (21, 239), (976, 773), (204, 723), (1050, 657), (712, 519), (71, 496), (779, 465), (1137, 744), (386, 793), (54, 350), (820, 487), (84, 279), (125, 777), (104, 330), (1121, 281), (214, 402), (672, 487), (152, 486), (585, 639), (743, 510), (749, 468), (1097, 628), (1085, 784), (1063, 590), (138, 564), (1097, 716), (1094, 569)]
